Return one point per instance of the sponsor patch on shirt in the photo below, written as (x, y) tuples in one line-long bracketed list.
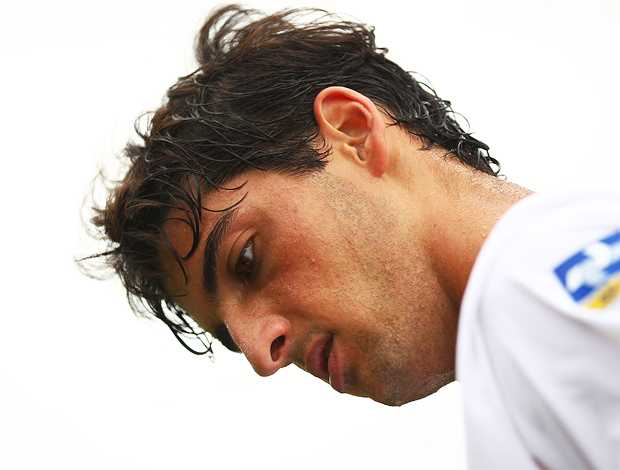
[(592, 276)]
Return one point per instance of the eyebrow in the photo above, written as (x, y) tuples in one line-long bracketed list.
[(212, 248)]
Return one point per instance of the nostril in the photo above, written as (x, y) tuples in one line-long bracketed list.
[(276, 345)]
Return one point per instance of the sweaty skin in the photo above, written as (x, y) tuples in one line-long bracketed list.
[(354, 273)]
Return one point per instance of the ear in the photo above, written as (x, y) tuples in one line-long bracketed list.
[(351, 123)]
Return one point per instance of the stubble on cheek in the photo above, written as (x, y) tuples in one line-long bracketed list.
[(406, 347), (393, 302)]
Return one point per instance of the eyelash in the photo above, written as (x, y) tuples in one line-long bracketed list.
[(244, 267)]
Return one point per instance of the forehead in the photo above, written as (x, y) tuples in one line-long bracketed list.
[(257, 190)]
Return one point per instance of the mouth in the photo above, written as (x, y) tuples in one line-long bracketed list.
[(317, 359), (327, 350), (322, 361)]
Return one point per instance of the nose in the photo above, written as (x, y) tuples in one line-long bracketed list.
[(265, 343)]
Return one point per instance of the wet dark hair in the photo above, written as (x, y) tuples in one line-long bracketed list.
[(249, 106)]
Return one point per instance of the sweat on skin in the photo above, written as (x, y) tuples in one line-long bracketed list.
[(355, 273)]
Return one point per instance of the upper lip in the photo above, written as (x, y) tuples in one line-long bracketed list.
[(316, 360)]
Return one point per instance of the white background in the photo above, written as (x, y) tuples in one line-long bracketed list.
[(86, 385)]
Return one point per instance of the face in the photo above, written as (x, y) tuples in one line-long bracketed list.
[(325, 272)]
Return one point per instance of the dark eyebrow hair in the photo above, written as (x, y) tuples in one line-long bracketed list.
[(212, 248)]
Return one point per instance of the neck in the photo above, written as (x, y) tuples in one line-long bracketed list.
[(468, 205)]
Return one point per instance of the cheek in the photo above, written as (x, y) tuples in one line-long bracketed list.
[(319, 272), (307, 287), (311, 289)]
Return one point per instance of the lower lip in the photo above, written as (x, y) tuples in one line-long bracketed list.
[(334, 367)]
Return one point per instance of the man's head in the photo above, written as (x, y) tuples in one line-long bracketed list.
[(270, 148)]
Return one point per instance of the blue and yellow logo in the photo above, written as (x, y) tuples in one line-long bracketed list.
[(592, 276)]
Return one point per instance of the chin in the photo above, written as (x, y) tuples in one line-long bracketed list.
[(401, 394)]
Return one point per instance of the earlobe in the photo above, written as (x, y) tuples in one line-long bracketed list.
[(351, 122)]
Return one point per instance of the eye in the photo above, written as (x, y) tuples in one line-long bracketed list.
[(245, 263)]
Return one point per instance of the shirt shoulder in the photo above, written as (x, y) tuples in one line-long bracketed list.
[(563, 247), (540, 326)]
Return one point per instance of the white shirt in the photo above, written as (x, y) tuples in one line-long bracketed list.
[(538, 350)]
